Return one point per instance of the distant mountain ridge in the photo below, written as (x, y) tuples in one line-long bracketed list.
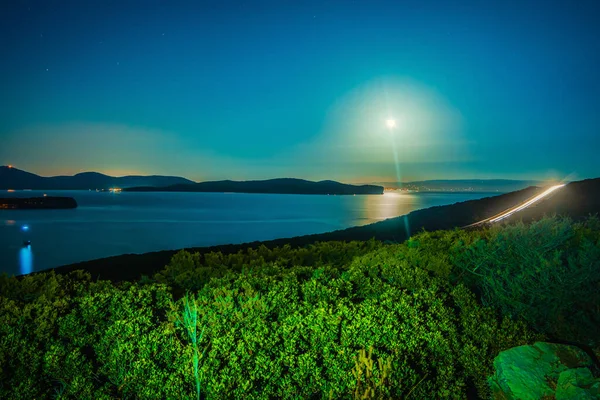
[(13, 178), (270, 186)]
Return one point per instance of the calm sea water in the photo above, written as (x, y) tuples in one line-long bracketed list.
[(108, 224)]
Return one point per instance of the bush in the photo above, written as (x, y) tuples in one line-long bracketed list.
[(547, 272), (95, 341), (293, 335), (30, 308), (190, 272)]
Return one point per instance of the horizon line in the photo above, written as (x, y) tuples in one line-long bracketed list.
[(354, 181)]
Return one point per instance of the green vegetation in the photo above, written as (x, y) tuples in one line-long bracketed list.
[(190, 322), (422, 319)]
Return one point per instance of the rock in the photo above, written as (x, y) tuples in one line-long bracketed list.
[(544, 371), (577, 383)]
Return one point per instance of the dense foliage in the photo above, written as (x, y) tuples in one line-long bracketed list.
[(547, 272), (422, 319)]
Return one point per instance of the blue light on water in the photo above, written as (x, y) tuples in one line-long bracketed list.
[(25, 228), (26, 260)]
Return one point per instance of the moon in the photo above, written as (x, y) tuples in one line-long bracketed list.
[(391, 123)]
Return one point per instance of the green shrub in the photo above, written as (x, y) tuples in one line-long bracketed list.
[(97, 341), (127, 335), (547, 272), (295, 335), (30, 308), (190, 272)]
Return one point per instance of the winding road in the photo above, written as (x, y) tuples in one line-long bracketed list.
[(518, 207)]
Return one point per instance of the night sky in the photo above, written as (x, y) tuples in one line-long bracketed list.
[(256, 89)]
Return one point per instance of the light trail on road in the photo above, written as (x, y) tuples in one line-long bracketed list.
[(517, 208)]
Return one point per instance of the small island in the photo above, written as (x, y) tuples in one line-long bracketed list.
[(33, 203), (270, 186)]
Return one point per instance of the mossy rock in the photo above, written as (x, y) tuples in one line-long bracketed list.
[(544, 371)]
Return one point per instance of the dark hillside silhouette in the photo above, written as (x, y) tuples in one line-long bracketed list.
[(577, 200), (13, 178), (271, 186)]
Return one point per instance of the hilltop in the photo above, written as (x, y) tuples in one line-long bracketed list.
[(13, 178)]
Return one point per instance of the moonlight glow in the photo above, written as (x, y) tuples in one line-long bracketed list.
[(391, 123)]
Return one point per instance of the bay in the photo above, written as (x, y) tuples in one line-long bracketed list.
[(108, 224)]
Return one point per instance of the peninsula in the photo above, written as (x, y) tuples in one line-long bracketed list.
[(32, 203), (270, 186)]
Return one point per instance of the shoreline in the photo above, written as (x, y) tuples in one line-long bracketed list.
[(576, 200), (132, 266)]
